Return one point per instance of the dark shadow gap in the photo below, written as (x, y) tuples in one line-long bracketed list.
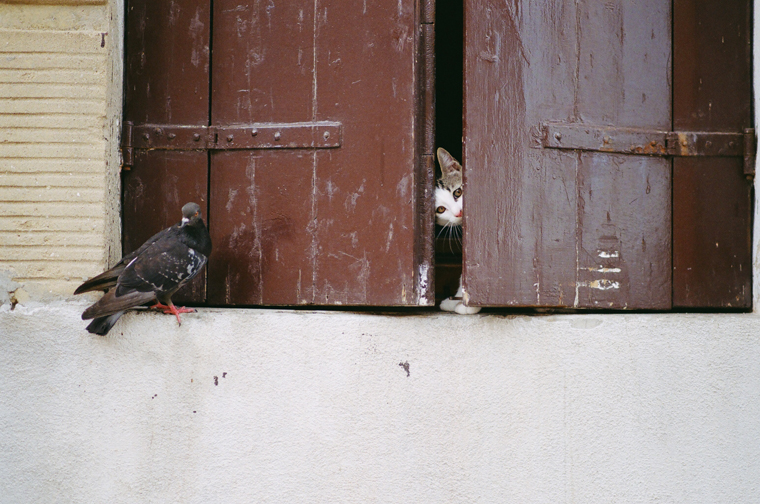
[(449, 75)]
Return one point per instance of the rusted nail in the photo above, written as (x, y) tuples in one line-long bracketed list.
[(146, 136), (196, 137), (731, 144), (171, 136), (326, 135), (277, 136), (685, 143), (606, 139), (254, 132), (708, 144), (229, 138), (157, 131)]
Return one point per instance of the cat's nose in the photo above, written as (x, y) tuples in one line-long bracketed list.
[(458, 214)]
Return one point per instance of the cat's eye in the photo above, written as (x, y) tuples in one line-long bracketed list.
[(458, 193), (440, 209)]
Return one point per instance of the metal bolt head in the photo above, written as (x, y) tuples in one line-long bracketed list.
[(558, 136), (146, 136), (196, 137), (230, 138), (171, 136), (606, 139), (254, 132), (326, 135), (157, 131), (277, 136)]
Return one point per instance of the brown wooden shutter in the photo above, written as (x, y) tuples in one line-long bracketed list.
[(712, 254), (167, 82), (313, 148), (568, 156)]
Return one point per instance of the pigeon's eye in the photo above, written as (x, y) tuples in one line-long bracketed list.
[(458, 193), (440, 209)]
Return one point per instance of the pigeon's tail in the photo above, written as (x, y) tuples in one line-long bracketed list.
[(102, 325), (110, 303)]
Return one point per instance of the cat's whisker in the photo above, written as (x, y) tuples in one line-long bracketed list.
[(458, 235), (443, 228), (453, 232)]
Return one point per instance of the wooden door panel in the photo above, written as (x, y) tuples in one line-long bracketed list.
[(263, 73), (167, 81), (712, 200), (519, 217), (366, 191), (712, 234), (624, 225), (263, 62), (257, 205), (345, 218), (167, 61), (624, 81), (536, 220)]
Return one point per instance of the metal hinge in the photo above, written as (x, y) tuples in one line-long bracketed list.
[(306, 135), (651, 142)]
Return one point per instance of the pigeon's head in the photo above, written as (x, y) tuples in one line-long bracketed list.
[(191, 212)]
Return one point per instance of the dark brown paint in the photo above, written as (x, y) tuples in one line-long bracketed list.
[(712, 199)]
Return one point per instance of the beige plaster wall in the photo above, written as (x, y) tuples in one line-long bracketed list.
[(60, 98)]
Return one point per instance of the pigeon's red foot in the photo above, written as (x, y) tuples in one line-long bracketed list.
[(173, 310)]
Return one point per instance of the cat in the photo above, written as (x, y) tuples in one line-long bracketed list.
[(448, 214)]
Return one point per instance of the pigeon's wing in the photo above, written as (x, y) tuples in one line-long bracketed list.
[(109, 278), (161, 269), (110, 303)]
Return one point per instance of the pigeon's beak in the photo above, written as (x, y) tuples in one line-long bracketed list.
[(185, 220)]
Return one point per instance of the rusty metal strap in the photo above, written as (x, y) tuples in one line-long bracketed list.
[(646, 142), (306, 135), (705, 143)]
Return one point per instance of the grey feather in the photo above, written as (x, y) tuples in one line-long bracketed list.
[(102, 325)]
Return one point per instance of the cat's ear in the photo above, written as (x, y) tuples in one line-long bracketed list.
[(447, 161)]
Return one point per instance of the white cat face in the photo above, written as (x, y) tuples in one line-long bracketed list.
[(448, 207), (448, 191)]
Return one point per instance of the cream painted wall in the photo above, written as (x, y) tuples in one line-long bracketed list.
[(294, 406)]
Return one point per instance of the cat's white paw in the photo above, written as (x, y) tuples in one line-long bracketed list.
[(466, 310), (449, 304), (457, 306)]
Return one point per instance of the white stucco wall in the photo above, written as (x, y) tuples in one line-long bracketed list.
[(314, 407)]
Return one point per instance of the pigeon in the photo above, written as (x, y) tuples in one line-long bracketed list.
[(153, 272)]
